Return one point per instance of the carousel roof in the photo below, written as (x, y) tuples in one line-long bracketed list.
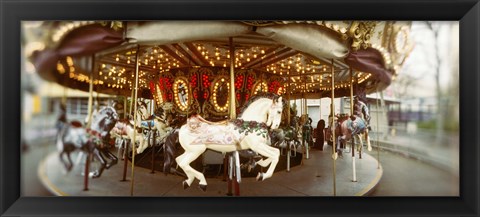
[(300, 55)]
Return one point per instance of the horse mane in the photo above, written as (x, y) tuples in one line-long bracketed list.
[(262, 95), (143, 103), (125, 121)]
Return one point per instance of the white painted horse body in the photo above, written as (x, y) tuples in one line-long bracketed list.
[(249, 131), (124, 129)]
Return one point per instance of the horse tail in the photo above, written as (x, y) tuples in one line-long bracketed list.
[(170, 150)]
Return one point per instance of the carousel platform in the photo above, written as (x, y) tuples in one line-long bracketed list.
[(313, 178)]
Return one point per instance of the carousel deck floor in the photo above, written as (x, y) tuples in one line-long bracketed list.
[(313, 178)]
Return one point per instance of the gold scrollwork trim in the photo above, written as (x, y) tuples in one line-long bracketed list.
[(259, 87), (214, 98), (361, 32), (181, 105)]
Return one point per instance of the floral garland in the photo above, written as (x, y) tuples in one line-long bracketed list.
[(250, 127), (94, 136)]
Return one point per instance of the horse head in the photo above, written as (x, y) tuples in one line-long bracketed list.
[(104, 120), (142, 110), (275, 113)]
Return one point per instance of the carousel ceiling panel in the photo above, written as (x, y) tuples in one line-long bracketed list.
[(307, 38), (167, 32), (304, 53)]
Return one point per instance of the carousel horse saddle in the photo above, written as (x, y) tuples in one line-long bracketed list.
[(148, 124), (76, 124), (202, 120)]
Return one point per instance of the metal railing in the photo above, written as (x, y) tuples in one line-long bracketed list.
[(422, 144)]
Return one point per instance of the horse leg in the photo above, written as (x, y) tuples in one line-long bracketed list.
[(96, 154), (360, 146), (338, 149), (110, 156), (264, 162), (367, 138), (70, 165), (119, 146), (184, 161), (263, 149), (142, 145)]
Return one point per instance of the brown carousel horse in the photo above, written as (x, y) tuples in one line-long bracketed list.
[(350, 127)]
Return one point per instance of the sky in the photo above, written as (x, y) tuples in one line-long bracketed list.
[(421, 62)]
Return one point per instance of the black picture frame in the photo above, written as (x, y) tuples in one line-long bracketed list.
[(13, 12)]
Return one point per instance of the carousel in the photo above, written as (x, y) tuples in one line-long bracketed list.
[(201, 93)]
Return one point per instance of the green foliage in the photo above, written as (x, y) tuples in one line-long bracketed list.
[(432, 124), (250, 127)]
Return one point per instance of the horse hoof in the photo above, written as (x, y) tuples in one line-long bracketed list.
[(185, 185), (334, 156), (203, 187), (94, 175), (259, 177)]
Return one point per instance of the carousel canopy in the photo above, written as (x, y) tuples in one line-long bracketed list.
[(294, 57)]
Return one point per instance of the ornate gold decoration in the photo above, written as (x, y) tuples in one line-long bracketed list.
[(159, 94), (181, 97), (400, 40), (260, 87), (261, 22), (282, 90), (219, 94), (361, 32), (115, 25)]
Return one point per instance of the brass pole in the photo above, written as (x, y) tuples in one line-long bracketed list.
[(131, 101), (353, 137), (125, 107), (288, 104), (382, 104), (378, 147), (64, 97), (134, 119), (152, 134), (90, 95), (333, 133), (351, 91), (88, 157), (233, 113), (288, 121), (304, 109)]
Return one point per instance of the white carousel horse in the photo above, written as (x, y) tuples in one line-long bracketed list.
[(124, 129), (249, 131), (159, 122)]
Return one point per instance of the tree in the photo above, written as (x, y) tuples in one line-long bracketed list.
[(434, 27)]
